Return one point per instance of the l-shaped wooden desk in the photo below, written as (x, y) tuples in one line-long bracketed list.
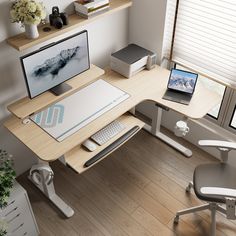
[(146, 85)]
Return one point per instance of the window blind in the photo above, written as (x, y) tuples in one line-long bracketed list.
[(205, 37)]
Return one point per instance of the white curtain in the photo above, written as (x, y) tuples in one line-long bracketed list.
[(205, 37)]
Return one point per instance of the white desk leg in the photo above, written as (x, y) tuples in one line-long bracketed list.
[(155, 128), (49, 191)]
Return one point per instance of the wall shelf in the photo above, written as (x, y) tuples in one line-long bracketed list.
[(20, 42)]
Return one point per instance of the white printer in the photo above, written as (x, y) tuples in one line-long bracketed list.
[(132, 59)]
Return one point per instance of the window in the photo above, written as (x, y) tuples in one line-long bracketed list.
[(229, 121), (233, 119), (203, 37), (217, 87), (200, 35)]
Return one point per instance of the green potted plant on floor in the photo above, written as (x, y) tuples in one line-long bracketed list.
[(3, 228), (7, 177)]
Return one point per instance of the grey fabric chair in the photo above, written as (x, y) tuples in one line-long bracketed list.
[(214, 183)]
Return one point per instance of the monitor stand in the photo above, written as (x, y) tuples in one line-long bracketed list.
[(60, 89)]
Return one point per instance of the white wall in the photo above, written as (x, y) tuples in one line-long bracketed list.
[(147, 19), (146, 28), (106, 35)]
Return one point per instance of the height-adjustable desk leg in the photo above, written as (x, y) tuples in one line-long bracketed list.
[(41, 175), (155, 128)]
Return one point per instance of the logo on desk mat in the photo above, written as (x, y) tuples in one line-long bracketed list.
[(50, 117)]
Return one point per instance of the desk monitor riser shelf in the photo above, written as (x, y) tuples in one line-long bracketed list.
[(26, 106), (146, 85)]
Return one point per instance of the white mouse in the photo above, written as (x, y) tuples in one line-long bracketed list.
[(26, 121), (89, 145)]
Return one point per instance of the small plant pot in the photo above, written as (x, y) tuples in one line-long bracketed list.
[(3, 226), (31, 31)]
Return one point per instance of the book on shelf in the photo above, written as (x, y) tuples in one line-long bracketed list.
[(86, 8)]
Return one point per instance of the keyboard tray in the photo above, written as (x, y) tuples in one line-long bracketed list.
[(78, 156)]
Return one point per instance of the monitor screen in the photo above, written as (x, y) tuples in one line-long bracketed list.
[(55, 63), (183, 81)]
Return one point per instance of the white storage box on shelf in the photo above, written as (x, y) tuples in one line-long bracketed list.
[(18, 215)]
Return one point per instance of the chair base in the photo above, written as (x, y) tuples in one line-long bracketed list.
[(213, 207)]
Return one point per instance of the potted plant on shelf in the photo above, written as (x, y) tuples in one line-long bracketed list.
[(29, 13), (7, 177)]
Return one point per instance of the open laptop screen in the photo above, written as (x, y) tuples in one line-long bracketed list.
[(182, 81)]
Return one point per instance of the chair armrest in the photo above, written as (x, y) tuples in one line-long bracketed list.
[(217, 144), (222, 192)]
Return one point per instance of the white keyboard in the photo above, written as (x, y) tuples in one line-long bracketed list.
[(108, 132)]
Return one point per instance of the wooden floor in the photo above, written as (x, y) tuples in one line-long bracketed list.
[(135, 191)]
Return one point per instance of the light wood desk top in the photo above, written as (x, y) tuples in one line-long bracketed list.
[(146, 85), (151, 85)]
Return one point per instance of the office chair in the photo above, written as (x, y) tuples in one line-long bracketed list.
[(214, 183)]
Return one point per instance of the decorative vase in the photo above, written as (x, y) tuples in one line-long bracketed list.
[(31, 31)]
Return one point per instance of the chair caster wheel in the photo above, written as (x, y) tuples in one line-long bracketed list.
[(188, 189), (176, 220)]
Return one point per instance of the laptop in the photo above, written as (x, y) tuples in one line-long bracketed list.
[(181, 86)]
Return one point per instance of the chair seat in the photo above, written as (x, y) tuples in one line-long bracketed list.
[(219, 175)]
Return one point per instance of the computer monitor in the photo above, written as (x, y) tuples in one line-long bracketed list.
[(50, 66), (182, 81)]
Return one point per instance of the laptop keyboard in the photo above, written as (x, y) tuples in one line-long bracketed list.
[(177, 97)]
